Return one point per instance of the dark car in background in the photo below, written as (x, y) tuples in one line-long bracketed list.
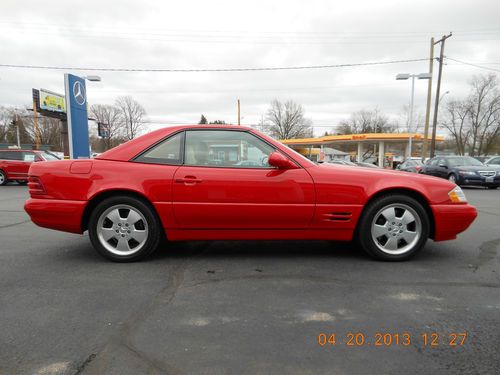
[(493, 162), (463, 170), (15, 163), (411, 165)]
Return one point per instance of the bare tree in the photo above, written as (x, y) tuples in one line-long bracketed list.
[(133, 115), (203, 120), (286, 120), (457, 115), (6, 117), (403, 122), (366, 121), (112, 117), (474, 122)]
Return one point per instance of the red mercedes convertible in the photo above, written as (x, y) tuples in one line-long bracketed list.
[(234, 183)]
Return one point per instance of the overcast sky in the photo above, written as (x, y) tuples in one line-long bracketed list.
[(232, 34)]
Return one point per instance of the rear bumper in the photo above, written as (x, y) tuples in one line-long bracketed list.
[(452, 219), (56, 214)]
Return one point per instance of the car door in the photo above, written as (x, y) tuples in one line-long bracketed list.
[(442, 168), (431, 167), (225, 182), (15, 165)]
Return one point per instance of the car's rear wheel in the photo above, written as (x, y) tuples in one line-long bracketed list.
[(124, 229), (3, 178), (394, 227)]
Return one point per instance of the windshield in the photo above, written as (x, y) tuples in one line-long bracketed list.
[(464, 161), (49, 156)]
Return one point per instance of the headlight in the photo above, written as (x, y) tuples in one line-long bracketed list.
[(467, 173), (457, 195)]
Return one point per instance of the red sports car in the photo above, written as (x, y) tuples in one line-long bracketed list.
[(15, 164), (233, 183)]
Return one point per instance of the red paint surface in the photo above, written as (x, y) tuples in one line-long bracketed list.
[(202, 203)]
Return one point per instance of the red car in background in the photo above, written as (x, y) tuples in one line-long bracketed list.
[(15, 164), (226, 182)]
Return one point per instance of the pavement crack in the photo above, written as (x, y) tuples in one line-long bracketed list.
[(319, 279), (13, 225), (488, 213), (487, 252), (85, 363)]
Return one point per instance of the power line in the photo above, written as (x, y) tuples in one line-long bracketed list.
[(471, 64), (48, 67)]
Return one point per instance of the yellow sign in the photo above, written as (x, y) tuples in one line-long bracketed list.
[(51, 101)]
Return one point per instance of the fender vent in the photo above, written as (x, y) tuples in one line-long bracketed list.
[(337, 216)]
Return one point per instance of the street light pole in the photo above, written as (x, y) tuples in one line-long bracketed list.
[(410, 120)]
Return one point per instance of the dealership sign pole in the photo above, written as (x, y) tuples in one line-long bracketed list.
[(76, 108)]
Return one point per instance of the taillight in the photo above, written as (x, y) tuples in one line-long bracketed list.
[(35, 186)]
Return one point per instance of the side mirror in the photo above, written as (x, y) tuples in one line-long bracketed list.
[(443, 166), (278, 160)]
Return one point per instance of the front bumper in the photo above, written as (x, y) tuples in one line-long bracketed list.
[(478, 180), (64, 215), (452, 219)]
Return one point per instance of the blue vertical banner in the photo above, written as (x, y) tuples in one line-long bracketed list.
[(76, 109)]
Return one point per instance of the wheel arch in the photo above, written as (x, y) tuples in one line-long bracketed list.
[(419, 197), (101, 196)]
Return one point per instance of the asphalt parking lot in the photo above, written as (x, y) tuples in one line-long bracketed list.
[(247, 307)]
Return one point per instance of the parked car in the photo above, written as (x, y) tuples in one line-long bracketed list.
[(493, 162), (342, 162), (462, 170), (367, 165), (410, 165), (14, 164), (185, 183)]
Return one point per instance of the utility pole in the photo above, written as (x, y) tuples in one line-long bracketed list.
[(239, 114), (37, 132), (429, 100), (438, 88), (16, 120)]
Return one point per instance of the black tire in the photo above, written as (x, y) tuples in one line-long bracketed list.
[(22, 182), (3, 178), (453, 178), (153, 229), (492, 187), (374, 208)]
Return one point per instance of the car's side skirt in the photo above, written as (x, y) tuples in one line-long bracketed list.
[(258, 234)]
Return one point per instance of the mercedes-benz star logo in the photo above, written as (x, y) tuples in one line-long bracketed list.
[(79, 93)]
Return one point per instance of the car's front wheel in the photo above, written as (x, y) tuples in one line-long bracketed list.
[(394, 227), (452, 178), (124, 229), (3, 178)]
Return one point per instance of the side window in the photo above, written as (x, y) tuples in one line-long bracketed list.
[(28, 156), (495, 161), (442, 161), (166, 152), (13, 155), (226, 148)]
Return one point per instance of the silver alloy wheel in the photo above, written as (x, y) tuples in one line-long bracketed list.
[(396, 229), (2, 178), (452, 178), (122, 230)]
